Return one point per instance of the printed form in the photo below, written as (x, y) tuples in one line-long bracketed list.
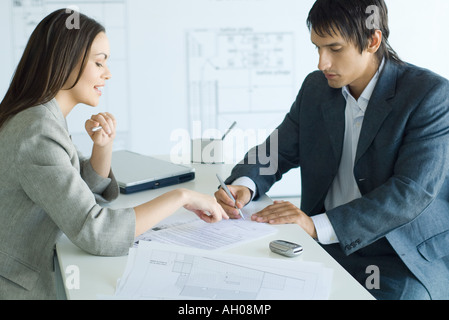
[(193, 232)]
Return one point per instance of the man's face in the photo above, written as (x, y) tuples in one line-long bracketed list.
[(342, 63)]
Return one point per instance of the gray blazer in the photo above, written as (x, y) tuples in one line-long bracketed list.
[(401, 166), (47, 189)]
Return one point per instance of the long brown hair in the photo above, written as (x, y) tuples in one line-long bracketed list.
[(51, 55)]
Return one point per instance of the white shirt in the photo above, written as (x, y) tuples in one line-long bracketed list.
[(344, 188)]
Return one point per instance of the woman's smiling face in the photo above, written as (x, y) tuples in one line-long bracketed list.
[(88, 90)]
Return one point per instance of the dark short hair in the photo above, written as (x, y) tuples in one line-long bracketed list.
[(352, 19)]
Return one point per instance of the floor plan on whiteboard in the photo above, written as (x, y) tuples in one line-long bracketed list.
[(235, 71)]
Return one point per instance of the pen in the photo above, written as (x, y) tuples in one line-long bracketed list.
[(229, 130), (229, 194), (97, 129)]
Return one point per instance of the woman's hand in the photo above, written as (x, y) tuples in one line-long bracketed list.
[(151, 213), (205, 207), (103, 142), (106, 135)]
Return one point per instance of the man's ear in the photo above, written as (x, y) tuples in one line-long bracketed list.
[(375, 42)]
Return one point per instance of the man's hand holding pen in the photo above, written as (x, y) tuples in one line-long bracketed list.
[(242, 196)]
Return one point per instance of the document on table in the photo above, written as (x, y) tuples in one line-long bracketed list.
[(161, 271), (193, 232)]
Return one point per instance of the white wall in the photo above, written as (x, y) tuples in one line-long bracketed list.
[(6, 60), (418, 32)]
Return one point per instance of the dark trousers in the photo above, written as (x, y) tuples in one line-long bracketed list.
[(396, 282)]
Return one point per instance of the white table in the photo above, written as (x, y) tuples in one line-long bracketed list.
[(98, 275)]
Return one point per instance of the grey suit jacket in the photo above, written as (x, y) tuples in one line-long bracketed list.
[(401, 166), (46, 189)]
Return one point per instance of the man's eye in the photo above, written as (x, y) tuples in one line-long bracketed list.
[(336, 50)]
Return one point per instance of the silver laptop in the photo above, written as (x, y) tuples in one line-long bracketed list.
[(135, 172)]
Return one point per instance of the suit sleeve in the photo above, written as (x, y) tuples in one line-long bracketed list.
[(51, 181), (104, 189)]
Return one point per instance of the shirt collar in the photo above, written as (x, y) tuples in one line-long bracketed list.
[(367, 93), (54, 108)]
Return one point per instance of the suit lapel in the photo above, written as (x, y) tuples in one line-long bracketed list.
[(378, 108), (334, 120)]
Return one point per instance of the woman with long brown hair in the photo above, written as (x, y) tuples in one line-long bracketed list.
[(46, 187)]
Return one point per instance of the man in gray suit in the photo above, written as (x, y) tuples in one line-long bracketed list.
[(371, 136)]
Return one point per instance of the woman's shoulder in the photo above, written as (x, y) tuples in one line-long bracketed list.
[(34, 129), (40, 118)]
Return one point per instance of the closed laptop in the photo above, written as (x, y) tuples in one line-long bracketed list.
[(136, 172)]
